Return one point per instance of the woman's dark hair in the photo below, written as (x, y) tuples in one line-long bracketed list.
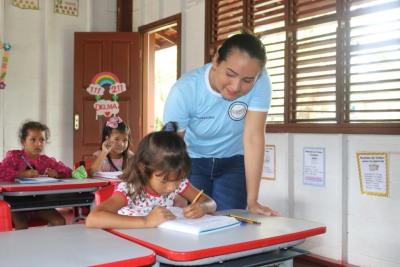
[(33, 125), (163, 153), (121, 128), (243, 42)]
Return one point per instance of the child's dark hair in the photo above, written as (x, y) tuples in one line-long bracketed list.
[(162, 152), (243, 42), (116, 124), (33, 125)]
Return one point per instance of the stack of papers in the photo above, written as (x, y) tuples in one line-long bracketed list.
[(206, 224), (108, 175), (37, 180)]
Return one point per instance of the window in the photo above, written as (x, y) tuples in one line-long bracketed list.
[(334, 64)]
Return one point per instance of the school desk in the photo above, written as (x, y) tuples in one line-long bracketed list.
[(236, 246), (66, 193), (70, 245)]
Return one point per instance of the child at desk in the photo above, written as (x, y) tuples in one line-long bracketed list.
[(154, 175), (30, 162), (114, 150)]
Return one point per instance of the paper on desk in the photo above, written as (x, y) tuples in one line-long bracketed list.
[(206, 224), (37, 180), (108, 175)]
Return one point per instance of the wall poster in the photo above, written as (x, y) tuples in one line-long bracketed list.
[(373, 173), (314, 166), (268, 171)]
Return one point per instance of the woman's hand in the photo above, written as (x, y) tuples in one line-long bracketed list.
[(158, 215), (260, 209)]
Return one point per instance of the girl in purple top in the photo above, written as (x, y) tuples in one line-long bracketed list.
[(29, 162)]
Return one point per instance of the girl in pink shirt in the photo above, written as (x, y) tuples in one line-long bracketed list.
[(30, 162)]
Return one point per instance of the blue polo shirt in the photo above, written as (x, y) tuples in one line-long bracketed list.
[(213, 125)]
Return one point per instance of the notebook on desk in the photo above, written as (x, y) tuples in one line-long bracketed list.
[(108, 175), (37, 180), (204, 225)]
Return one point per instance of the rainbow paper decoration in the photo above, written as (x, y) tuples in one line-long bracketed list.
[(99, 81), (105, 78)]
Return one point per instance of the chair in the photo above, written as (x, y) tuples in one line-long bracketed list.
[(5, 217), (103, 193), (80, 213), (85, 163)]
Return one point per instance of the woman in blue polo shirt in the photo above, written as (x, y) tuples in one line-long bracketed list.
[(221, 110)]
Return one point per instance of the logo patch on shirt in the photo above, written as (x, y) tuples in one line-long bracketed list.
[(237, 111)]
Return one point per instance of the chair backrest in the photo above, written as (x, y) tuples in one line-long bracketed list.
[(5, 217), (85, 163), (103, 193)]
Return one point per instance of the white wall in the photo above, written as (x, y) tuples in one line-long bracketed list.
[(362, 230)]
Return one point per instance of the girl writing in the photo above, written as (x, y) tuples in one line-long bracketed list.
[(30, 162), (154, 175), (114, 150)]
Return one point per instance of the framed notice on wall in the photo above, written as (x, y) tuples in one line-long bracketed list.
[(268, 171), (373, 173), (314, 166)]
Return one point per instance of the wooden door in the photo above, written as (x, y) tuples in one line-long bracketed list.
[(96, 53)]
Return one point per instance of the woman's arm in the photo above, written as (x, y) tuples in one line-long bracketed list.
[(254, 144), (106, 216)]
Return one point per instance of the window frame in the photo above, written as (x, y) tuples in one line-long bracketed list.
[(341, 126)]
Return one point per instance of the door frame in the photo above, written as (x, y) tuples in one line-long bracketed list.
[(148, 52)]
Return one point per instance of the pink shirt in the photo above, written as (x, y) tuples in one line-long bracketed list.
[(13, 163), (106, 166)]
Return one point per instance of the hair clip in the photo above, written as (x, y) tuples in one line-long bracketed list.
[(113, 122), (169, 127)]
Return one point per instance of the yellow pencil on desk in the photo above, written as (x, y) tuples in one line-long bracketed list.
[(243, 219), (198, 196)]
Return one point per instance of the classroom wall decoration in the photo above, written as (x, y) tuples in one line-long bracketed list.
[(6, 47), (314, 166), (105, 107), (26, 4), (268, 171), (69, 7), (373, 173)]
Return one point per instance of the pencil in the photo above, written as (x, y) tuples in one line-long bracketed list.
[(26, 162), (198, 196), (243, 219)]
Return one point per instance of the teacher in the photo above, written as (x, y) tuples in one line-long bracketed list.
[(221, 110)]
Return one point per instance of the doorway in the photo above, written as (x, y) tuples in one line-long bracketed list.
[(161, 46)]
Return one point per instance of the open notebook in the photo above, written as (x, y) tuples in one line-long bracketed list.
[(206, 224)]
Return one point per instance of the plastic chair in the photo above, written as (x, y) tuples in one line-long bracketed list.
[(102, 194), (5, 217), (80, 213), (85, 163)]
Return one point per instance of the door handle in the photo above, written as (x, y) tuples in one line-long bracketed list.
[(76, 122)]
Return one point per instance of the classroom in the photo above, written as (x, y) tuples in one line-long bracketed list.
[(319, 144)]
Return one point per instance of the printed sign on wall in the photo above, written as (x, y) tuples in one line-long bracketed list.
[(105, 107), (373, 173), (314, 166), (269, 163), (66, 7)]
